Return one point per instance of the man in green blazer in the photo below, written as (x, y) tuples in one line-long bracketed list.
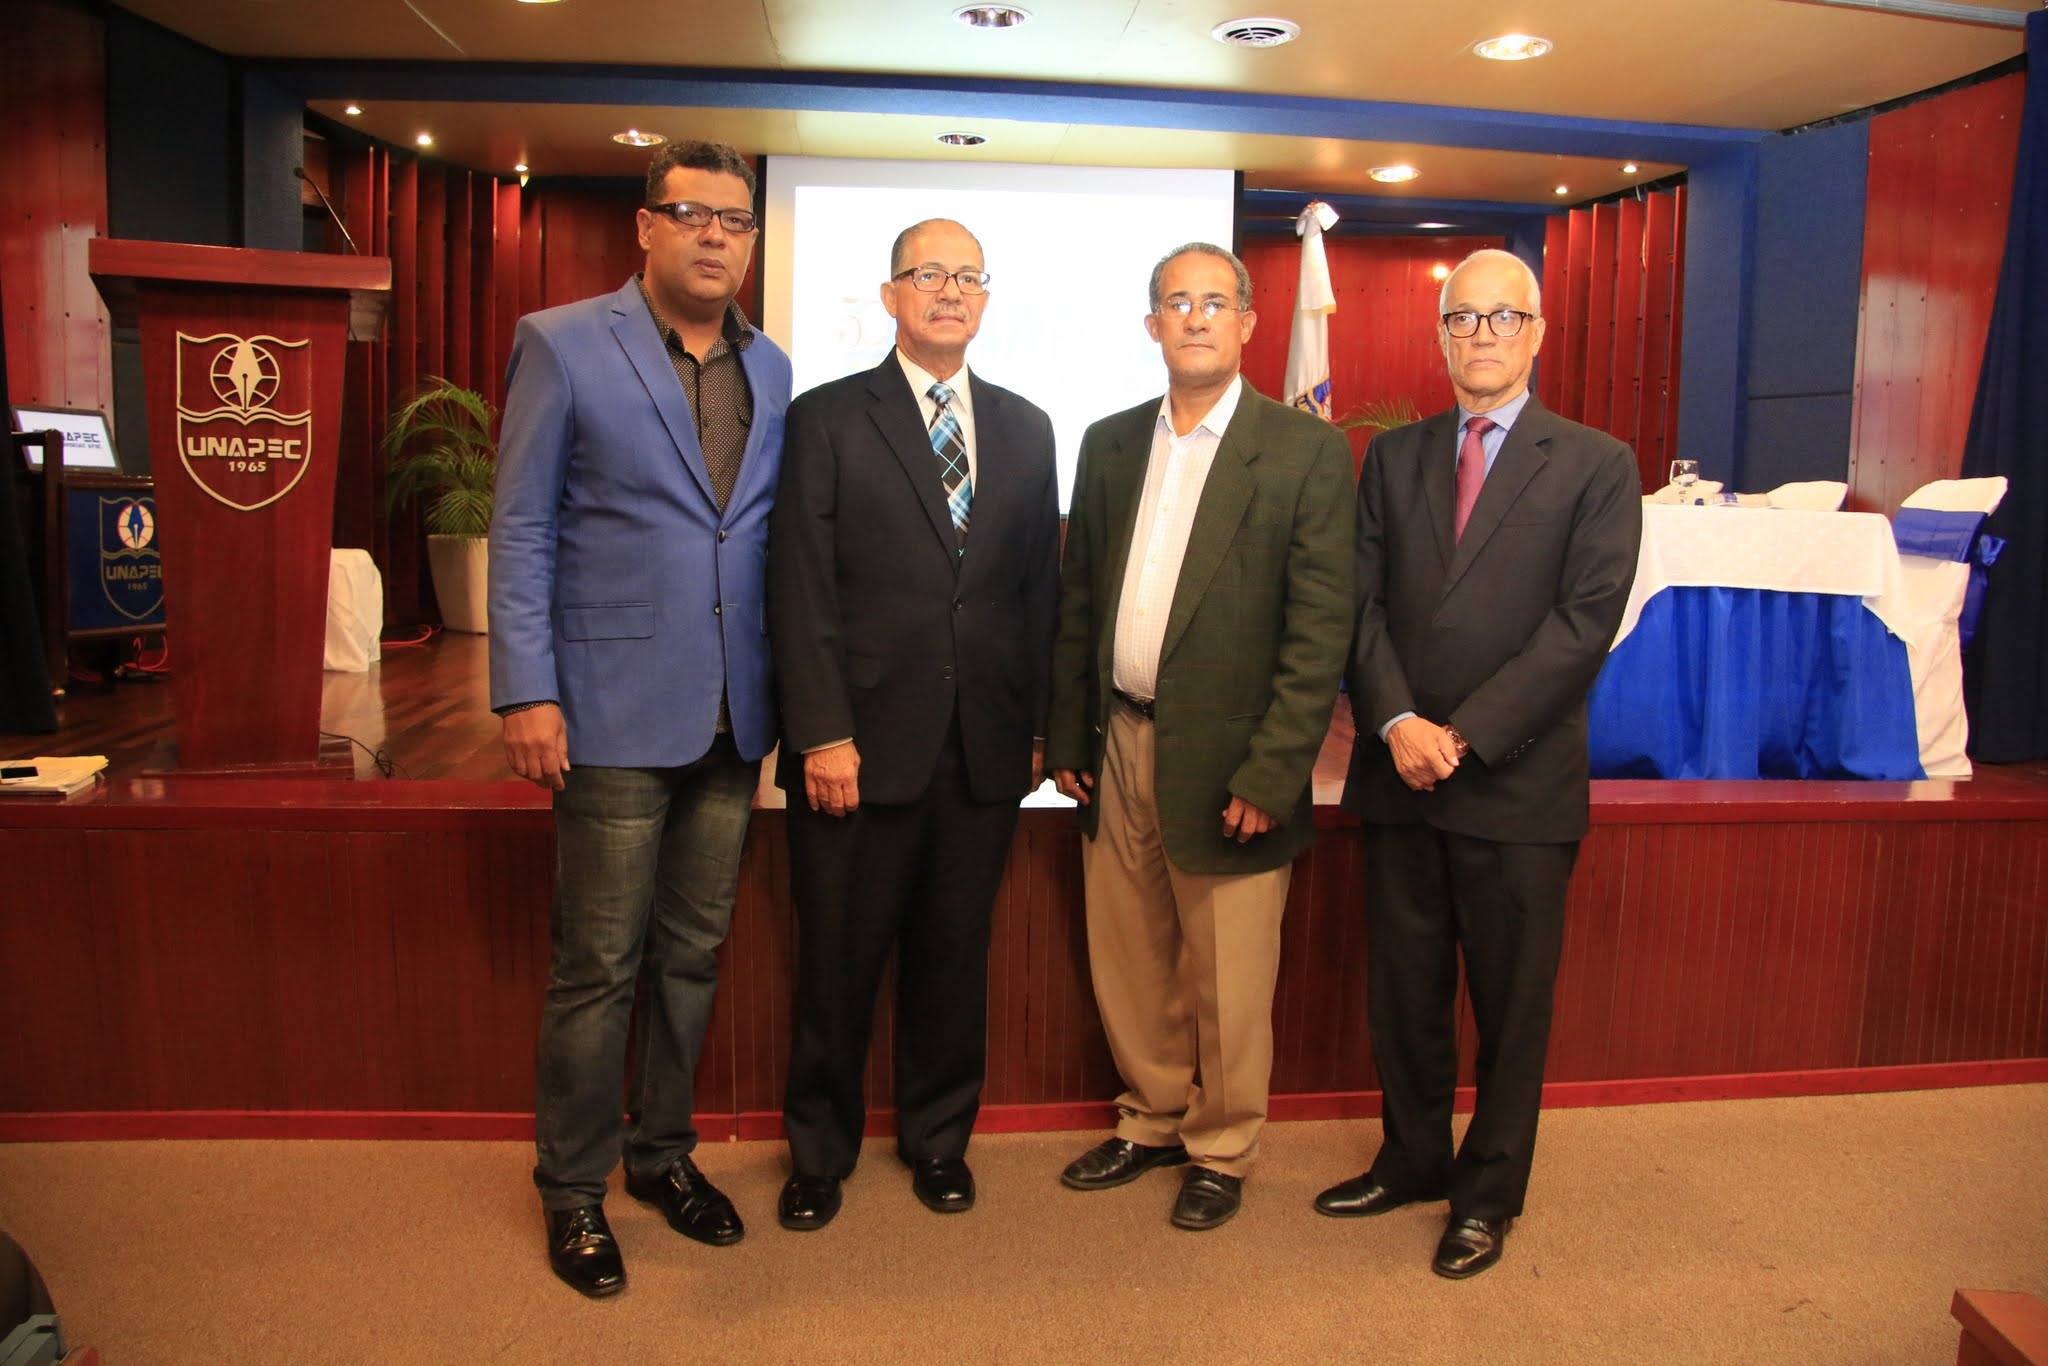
[(1205, 615)]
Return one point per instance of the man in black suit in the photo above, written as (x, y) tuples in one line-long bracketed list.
[(913, 574), (1496, 546)]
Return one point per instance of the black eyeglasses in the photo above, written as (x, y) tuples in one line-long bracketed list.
[(694, 215), (1181, 307), (1502, 322), (930, 279)]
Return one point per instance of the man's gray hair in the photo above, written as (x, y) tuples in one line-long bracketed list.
[(1495, 256), (1244, 277)]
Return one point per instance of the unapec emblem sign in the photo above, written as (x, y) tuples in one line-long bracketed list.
[(114, 542), (245, 415)]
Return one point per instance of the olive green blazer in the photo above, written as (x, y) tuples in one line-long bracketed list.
[(1256, 638)]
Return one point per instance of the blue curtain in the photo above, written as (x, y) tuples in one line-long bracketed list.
[(1742, 683), (2005, 670)]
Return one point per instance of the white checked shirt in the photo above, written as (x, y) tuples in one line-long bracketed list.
[(1174, 476), (963, 406)]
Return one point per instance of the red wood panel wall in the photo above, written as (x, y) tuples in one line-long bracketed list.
[(1382, 336), (390, 960), (53, 200), (1940, 192), (1613, 282)]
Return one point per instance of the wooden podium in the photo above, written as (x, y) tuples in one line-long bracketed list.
[(243, 356)]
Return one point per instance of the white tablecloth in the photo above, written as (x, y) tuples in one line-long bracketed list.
[(1779, 549)]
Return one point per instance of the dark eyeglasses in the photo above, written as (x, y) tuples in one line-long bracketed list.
[(1502, 322), (930, 279), (694, 215)]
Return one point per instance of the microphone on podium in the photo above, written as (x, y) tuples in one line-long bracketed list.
[(300, 172)]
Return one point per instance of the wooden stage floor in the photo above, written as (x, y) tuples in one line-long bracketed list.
[(325, 959), (423, 713)]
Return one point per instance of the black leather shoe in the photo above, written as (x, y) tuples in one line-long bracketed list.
[(944, 1184), (1470, 1246), (808, 1202), (1114, 1161), (1206, 1198), (695, 1208), (582, 1251), (1360, 1195)]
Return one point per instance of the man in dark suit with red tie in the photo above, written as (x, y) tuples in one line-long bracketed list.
[(913, 575), (1496, 546)]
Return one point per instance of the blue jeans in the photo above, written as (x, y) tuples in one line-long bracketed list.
[(646, 867)]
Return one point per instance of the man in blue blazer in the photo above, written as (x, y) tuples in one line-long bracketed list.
[(629, 660)]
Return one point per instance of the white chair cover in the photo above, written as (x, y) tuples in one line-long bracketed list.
[(355, 611), (1934, 601)]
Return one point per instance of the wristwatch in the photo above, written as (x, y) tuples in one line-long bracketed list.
[(1463, 746)]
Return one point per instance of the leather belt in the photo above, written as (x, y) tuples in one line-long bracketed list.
[(1145, 706)]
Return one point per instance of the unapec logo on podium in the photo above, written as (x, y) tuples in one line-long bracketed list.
[(245, 415)]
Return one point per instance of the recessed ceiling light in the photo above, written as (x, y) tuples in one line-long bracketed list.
[(522, 168), (1630, 169), (1261, 32), (1512, 47), (537, 2), (960, 139), (1436, 225), (992, 16), (1563, 189), (633, 137), (1393, 175), (425, 139), (352, 109)]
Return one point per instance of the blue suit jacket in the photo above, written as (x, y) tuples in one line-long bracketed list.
[(616, 587)]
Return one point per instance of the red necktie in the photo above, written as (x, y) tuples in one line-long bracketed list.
[(1471, 470)]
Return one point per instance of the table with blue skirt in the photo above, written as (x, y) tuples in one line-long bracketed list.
[(1759, 643)]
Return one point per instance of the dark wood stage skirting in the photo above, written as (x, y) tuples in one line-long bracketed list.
[(188, 957)]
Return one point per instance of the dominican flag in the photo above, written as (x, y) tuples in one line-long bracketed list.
[(1308, 348)]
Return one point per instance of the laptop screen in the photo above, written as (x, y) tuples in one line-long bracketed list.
[(87, 443)]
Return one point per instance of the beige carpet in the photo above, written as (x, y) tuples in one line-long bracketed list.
[(1821, 1230)]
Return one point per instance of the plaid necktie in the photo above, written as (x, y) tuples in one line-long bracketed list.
[(951, 449)]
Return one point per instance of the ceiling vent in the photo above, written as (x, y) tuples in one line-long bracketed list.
[(960, 139), (1256, 32)]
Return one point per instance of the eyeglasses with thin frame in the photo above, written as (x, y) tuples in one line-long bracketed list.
[(691, 214), (1180, 306), (1502, 322), (930, 279)]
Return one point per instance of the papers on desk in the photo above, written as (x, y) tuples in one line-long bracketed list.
[(47, 776)]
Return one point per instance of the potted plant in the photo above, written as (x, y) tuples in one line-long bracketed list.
[(1381, 415), (442, 452)]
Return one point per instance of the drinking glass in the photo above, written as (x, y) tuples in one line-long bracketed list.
[(1684, 474)]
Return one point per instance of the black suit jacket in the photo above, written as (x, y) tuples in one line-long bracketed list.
[(1500, 633), (880, 623)]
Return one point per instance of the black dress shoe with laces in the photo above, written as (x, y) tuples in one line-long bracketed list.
[(582, 1251), (1206, 1199), (944, 1184), (808, 1202), (1469, 1246), (1358, 1196), (1115, 1161), (695, 1208)]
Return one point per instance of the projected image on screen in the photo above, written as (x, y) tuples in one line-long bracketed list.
[(1068, 250)]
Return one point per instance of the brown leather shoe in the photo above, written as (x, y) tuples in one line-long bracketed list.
[(695, 1208), (582, 1251), (1360, 1195), (1470, 1246), (1115, 1161), (1206, 1199)]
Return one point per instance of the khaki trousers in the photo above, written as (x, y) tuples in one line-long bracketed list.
[(1184, 966)]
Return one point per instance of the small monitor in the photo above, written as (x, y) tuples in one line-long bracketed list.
[(88, 445)]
